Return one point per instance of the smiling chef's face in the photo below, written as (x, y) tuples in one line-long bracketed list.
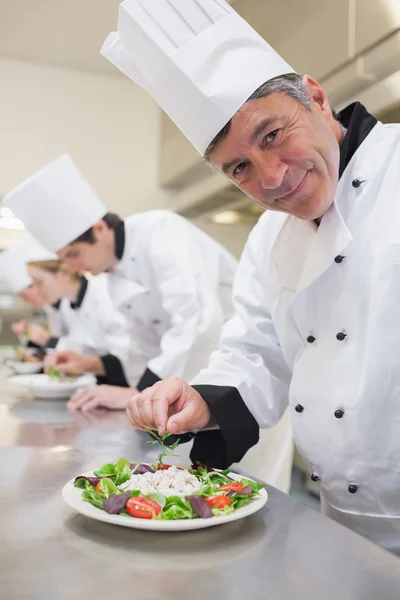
[(283, 155)]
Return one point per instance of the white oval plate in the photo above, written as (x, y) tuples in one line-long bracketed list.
[(73, 497), (25, 368), (41, 386)]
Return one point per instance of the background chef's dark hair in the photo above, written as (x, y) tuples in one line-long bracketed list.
[(112, 220), (291, 84)]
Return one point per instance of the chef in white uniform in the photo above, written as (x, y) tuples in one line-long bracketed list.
[(317, 294), (13, 268), (92, 326), (172, 282)]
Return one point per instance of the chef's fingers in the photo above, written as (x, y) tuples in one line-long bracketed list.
[(144, 410), (91, 404), (133, 413), (80, 399), (165, 394)]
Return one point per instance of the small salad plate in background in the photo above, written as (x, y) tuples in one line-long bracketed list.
[(44, 386)]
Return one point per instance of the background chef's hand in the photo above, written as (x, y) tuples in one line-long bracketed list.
[(170, 405), (108, 396), (67, 361), (20, 327), (38, 335)]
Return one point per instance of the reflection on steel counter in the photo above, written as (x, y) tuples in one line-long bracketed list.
[(285, 551)]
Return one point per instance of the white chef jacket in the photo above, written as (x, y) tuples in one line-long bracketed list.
[(317, 328), (94, 327), (174, 286), (56, 320)]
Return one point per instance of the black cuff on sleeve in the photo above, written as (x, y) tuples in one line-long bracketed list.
[(238, 429), (147, 380), (114, 372), (33, 345), (52, 342)]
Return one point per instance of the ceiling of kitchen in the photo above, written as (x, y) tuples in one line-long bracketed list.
[(67, 33), (58, 32)]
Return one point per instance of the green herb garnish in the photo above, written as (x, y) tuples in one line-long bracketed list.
[(167, 450)]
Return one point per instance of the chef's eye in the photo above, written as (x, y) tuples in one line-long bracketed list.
[(270, 136), (241, 167)]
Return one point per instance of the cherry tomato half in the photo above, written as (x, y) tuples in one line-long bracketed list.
[(218, 501), (232, 487), (142, 508), (162, 467)]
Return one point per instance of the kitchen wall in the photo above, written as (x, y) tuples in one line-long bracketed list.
[(108, 125)]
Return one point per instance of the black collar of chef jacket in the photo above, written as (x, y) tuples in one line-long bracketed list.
[(119, 233), (81, 294), (359, 123), (56, 305)]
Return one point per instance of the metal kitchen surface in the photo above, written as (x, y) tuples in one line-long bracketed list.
[(49, 552)]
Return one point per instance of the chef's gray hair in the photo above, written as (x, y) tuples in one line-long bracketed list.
[(291, 84)]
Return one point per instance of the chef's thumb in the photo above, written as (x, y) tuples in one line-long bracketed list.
[(181, 422)]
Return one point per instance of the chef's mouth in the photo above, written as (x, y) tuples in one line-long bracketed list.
[(290, 195)]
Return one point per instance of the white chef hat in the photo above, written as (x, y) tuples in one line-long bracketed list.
[(13, 262), (56, 204), (198, 59)]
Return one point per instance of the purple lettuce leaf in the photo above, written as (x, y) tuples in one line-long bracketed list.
[(200, 506), (247, 491), (142, 469), (93, 480), (115, 503)]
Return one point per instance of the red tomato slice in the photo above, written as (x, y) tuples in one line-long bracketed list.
[(142, 508), (162, 467), (218, 501), (97, 488), (232, 487)]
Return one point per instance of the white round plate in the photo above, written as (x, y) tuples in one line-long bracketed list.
[(73, 497), (25, 368), (41, 386)]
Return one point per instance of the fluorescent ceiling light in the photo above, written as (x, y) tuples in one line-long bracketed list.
[(11, 223), (5, 212), (226, 217), (8, 221)]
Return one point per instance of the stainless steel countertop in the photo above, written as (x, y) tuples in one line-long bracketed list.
[(48, 552)]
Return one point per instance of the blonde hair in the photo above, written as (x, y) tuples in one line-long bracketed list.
[(54, 266)]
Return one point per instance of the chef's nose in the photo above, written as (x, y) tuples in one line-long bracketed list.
[(271, 171)]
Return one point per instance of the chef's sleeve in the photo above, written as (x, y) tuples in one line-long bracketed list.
[(122, 364), (246, 383), (188, 286)]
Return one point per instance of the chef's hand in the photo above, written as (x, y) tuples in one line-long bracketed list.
[(107, 396), (170, 405), (38, 335), (20, 327), (72, 363)]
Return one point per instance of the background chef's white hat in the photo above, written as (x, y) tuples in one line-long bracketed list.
[(13, 262), (56, 204), (198, 59)]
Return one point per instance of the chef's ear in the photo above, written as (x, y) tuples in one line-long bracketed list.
[(99, 229), (318, 97)]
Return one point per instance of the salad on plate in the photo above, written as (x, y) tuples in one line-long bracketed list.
[(58, 376), (165, 492)]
